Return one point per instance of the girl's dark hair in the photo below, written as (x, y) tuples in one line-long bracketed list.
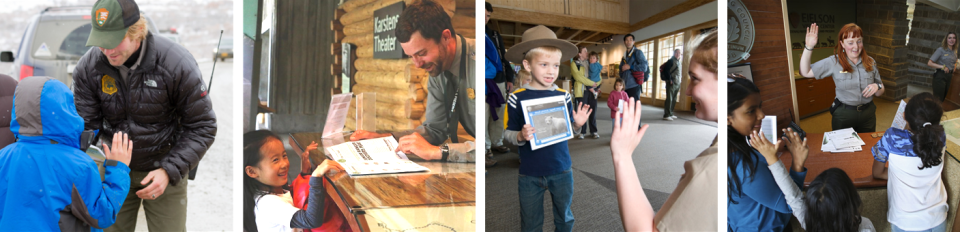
[(252, 188), (738, 89), (618, 81), (928, 141), (832, 202)]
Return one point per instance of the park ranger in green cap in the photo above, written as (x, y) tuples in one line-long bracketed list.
[(150, 88)]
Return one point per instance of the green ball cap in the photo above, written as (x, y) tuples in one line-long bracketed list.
[(109, 22)]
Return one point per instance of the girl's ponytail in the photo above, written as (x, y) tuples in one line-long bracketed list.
[(923, 114)]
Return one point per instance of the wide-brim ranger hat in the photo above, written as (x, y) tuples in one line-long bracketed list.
[(540, 36), (110, 21)]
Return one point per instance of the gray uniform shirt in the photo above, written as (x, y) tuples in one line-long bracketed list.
[(434, 127), (850, 85), (944, 57)]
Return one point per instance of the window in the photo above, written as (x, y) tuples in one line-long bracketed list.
[(667, 45), (647, 48)]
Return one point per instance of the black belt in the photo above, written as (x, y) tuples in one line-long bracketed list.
[(858, 108)]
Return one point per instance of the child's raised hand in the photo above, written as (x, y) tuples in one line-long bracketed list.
[(798, 147), (327, 167), (765, 147), (625, 136), (122, 148), (306, 153), (526, 134), (580, 116)]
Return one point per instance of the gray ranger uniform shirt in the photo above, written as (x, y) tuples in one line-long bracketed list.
[(944, 57), (434, 127), (850, 85)]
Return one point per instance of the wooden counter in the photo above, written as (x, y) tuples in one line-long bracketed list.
[(858, 165)]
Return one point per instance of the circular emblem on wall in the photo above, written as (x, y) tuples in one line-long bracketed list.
[(740, 32)]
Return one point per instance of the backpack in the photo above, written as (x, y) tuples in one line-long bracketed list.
[(665, 70)]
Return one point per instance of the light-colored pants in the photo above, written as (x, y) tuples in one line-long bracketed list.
[(494, 136), (166, 213), (939, 228)]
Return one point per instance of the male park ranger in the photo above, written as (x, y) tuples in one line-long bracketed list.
[(150, 88), (426, 34)]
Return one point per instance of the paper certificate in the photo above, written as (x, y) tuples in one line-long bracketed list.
[(550, 119), (372, 156)]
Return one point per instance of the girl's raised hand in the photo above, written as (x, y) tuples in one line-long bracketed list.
[(765, 147), (626, 137), (811, 39), (798, 147)]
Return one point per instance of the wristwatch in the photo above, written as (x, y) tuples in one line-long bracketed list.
[(879, 85), (444, 151)]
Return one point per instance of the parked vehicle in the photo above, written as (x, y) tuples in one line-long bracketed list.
[(53, 43)]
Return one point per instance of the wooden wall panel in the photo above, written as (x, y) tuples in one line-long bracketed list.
[(768, 59), (300, 86)]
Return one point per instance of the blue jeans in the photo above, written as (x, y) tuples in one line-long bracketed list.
[(531, 190), (939, 228)]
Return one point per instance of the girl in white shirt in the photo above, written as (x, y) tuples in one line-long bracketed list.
[(267, 205), (918, 199)]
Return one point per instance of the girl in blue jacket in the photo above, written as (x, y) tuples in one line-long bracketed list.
[(755, 202)]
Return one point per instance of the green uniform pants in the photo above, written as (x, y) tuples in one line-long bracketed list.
[(671, 102), (166, 213), (861, 121), (941, 82)]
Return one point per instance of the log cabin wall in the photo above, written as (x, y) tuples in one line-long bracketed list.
[(768, 60), (300, 89), (400, 86)]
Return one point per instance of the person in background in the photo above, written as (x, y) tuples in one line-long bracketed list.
[(633, 68), (670, 73), (944, 60), (494, 98), (582, 92), (504, 82), (616, 100)]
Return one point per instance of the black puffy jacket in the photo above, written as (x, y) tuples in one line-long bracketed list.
[(162, 105)]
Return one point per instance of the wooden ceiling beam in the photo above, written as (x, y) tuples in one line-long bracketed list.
[(574, 34), (557, 20), (669, 13)]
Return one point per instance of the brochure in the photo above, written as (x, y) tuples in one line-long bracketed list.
[(372, 156), (550, 118)]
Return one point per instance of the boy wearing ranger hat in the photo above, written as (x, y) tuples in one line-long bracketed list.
[(547, 168), (151, 88)]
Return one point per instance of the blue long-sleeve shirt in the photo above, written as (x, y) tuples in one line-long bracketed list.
[(637, 62), (594, 70), (762, 206)]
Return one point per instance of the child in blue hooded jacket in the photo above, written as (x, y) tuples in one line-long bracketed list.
[(46, 182)]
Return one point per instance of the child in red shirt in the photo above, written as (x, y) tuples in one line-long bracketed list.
[(615, 97)]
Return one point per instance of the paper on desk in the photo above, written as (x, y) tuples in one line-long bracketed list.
[(372, 156), (845, 138), (829, 145), (898, 120)]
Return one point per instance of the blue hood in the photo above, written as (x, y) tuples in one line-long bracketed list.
[(43, 108)]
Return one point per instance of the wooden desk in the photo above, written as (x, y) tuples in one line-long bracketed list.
[(858, 165), (442, 199)]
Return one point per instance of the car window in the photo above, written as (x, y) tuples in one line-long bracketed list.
[(60, 39)]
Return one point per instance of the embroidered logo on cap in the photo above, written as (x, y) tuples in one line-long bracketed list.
[(108, 85), (101, 15)]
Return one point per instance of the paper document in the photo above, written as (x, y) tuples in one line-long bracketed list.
[(769, 128), (843, 140), (898, 120), (550, 119), (372, 156)]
